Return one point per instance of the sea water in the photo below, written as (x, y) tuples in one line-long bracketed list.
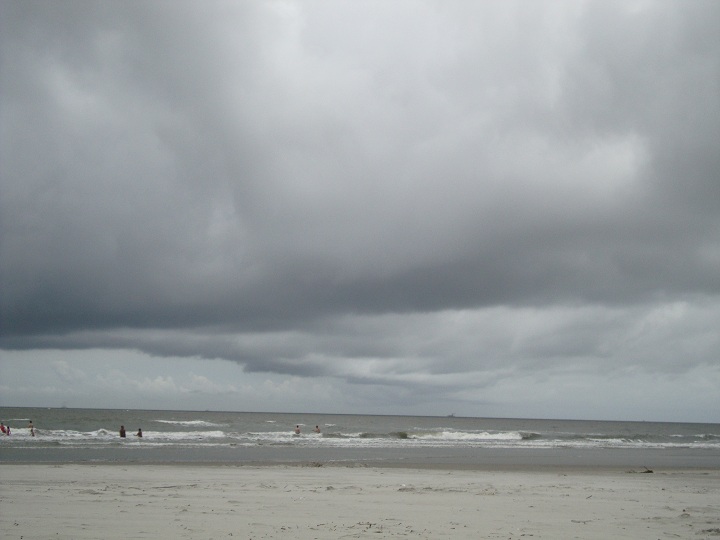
[(92, 435)]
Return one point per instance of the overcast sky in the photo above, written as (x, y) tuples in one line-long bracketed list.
[(505, 209)]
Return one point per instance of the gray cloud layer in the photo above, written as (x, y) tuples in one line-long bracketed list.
[(300, 186)]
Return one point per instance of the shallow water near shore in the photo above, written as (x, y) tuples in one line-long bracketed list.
[(91, 435)]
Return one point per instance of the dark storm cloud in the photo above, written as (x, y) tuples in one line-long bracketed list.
[(225, 180)]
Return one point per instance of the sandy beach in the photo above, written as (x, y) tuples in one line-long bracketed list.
[(313, 501)]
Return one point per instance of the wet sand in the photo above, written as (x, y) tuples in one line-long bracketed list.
[(330, 502)]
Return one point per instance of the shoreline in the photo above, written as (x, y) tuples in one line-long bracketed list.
[(430, 458), (128, 500), (381, 465)]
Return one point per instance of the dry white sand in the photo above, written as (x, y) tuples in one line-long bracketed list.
[(158, 501)]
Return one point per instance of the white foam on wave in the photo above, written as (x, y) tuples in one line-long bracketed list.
[(183, 435), (192, 434), (104, 435), (470, 436), (197, 423)]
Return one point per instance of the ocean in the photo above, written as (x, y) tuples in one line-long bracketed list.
[(64, 435)]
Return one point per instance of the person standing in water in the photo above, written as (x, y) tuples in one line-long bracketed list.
[(139, 433), (31, 428), (122, 431), (297, 429)]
